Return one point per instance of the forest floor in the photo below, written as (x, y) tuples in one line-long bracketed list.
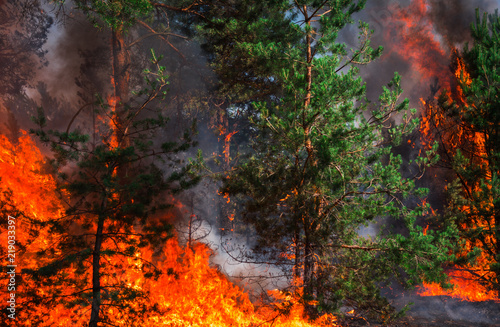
[(437, 311)]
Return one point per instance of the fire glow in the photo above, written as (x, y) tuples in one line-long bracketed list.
[(418, 44), (189, 292), (466, 281)]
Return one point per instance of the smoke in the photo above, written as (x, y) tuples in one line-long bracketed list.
[(418, 37), (69, 45), (230, 258), (201, 219), (444, 311), (75, 44), (452, 18), (434, 28)]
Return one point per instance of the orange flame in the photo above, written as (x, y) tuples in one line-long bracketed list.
[(466, 280), (113, 139), (464, 77), (412, 29), (465, 287), (189, 292)]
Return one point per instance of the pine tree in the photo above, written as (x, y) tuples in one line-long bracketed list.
[(321, 166), (112, 186), (107, 222), (470, 139)]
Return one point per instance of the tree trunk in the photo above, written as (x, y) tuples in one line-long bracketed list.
[(494, 165), (308, 273), (496, 238), (296, 266), (492, 149), (120, 84), (222, 123), (310, 161), (96, 276)]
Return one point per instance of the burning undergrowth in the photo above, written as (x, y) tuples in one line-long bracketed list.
[(422, 40), (181, 287), (189, 291)]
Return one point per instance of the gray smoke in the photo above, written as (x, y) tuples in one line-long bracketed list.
[(450, 21), (68, 42), (74, 44), (452, 18)]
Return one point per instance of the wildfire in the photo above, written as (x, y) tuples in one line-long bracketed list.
[(464, 77), (195, 294), (110, 121), (189, 292), (466, 281), (465, 287), (226, 136), (412, 29), (33, 192)]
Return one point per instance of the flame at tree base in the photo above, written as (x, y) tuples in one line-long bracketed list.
[(466, 287), (189, 292), (459, 135), (195, 294)]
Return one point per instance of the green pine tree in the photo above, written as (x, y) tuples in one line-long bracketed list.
[(321, 166)]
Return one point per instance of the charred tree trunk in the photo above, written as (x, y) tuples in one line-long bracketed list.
[(492, 137), (118, 104), (494, 163), (296, 266), (96, 267), (308, 273), (497, 245), (224, 223), (496, 228)]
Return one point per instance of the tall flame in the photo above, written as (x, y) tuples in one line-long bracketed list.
[(33, 195)]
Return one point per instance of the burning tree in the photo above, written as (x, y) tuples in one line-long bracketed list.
[(111, 188), (28, 194), (466, 122), (113, 212), (321, 166), (188, 292)]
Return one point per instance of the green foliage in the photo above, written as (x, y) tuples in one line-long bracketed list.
[(116, 13), (318, 171)]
